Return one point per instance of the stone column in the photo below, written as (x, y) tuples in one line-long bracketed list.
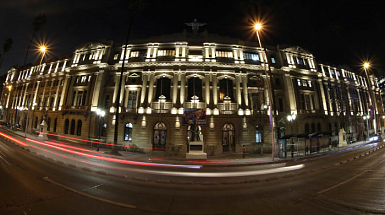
[(56, 95), (63, 92), (34, 98), (151, 89), (207, 88), (215, 89), (144, 89), (238, 89), (25, 94), (182, 87), (175, 89), (245, 92), (97, 94)]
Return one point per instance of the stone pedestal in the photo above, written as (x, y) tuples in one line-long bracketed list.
[(342, 138), (196, 151), (43, 131)]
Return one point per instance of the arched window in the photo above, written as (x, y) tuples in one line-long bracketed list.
[(48, 124), (55, 125), (66, 126), (312, 128), (318, 127), (104, 130), (72, 127), (128, 132), (258, 134), (306, 128), (79, 128)]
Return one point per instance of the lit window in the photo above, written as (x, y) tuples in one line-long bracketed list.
[(166, 52), (132, 99), (304, 83), (299, 82), (251, 56), (116, 56), (128, 132), (272, 60), (300, 61), (135, 54), (224, 54), (258, 135), (309, 82), (84, 79)]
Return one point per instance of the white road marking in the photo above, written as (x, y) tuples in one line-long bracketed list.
[(88, 195)]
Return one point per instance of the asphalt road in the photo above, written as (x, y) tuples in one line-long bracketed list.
[(349, 182)]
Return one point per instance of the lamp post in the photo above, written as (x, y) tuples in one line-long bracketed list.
[(291, 118), (383, 119), (43, 50), (258, 27), (372, 98), (367, 124), (100, 113)]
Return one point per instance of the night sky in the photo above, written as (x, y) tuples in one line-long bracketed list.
[(337, 32)]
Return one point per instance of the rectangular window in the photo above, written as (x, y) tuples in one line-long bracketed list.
[(299, 82), (280, 101), (58, 103), (107, 102), (116, 56), (307, 102), (135, 54), (304, 83), (251, 56), (132, 99), (309, 82), (84, 79), (165, 52), (312, 102), (272, 60), (224, 54), (300, 61)]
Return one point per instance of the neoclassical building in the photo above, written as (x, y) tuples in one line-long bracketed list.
[(167, 78)]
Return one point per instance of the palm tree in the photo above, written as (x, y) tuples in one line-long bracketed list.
[(7, 46), (38, 23)]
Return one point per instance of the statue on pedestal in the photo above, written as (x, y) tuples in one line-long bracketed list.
[(195, 132)]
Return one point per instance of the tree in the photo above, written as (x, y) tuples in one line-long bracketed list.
[(7, 46), (38, 23)]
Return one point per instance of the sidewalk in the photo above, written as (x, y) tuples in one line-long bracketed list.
[(224, 159)]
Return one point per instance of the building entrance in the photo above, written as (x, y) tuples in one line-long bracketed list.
[(228, 142), (160, 134)]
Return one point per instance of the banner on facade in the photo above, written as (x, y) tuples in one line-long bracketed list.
[(191, 116)]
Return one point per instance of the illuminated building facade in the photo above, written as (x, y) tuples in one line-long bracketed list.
[(168, 75)]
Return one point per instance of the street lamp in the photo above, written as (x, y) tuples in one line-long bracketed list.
[(367, 124), (371, 96), (291, 118), (258, 27), (43, 49), (383, 119), (100, 113)]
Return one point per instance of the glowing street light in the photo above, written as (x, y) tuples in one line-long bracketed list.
[(100, 113), (43, 50), (291, 118), (258, 27), (371, 96)]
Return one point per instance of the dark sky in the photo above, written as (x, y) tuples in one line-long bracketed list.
[(336, 31)]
